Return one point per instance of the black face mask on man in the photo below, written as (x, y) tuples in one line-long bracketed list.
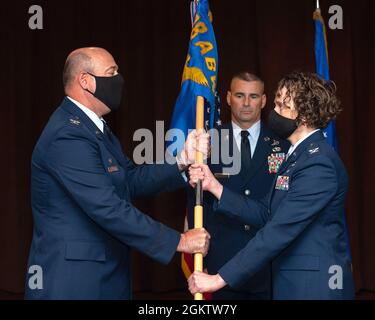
[(109, 90), (282, 126)]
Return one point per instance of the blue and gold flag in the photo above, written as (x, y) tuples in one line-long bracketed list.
[(200, 73), (199, 78)]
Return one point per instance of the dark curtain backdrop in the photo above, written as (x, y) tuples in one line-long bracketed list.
[(149, 40)]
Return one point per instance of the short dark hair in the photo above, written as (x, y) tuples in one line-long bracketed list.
[(314, 98), (246, 76), (74, 64)]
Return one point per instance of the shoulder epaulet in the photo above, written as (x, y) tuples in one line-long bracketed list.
[(74, 120), (313, 149)]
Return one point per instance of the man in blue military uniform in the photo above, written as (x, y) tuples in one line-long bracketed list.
[(256, 154), (302, 219), (82, 187)]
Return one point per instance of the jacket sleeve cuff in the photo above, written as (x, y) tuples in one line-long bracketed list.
[(228, 204)]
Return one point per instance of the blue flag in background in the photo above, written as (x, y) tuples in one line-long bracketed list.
[(322, 68), (200, 73)]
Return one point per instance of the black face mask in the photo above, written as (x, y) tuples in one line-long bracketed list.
[(109, 90), (282, 126)]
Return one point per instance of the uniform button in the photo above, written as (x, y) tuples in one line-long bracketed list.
[(247, 227), (247, 192)]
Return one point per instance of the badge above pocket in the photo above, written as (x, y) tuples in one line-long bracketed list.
[(275, 160), (282, 183)]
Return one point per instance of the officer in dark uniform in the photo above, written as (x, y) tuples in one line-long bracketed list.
[(82, 189), (302, 219), (256, 154)]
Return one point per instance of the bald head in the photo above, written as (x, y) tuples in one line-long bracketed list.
[(75, 63), (79, 77), (83, 60)]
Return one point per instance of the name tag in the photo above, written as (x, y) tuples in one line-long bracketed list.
[(113, 169), (282, 183), (222, 175)]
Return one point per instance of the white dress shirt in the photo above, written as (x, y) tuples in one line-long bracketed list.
[(254, 132), (91, 114)]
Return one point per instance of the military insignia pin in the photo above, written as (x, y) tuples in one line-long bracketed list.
[(275, 160), (282, 183), (314, 150), (75, 122)]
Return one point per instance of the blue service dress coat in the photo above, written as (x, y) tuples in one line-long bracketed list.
[(84, 222), (228, 236), (302, 227)]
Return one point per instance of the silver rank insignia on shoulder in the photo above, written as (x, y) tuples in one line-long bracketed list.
[(276, 149), (314, 150), (75, 121), (266, 139), (275, 143), (275, 160), (282, 183)]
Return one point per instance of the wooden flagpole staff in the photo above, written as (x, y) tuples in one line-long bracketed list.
[(198, 209)]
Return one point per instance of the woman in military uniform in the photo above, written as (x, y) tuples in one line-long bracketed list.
[(301, 221)]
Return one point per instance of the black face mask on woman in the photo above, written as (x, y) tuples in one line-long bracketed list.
[(109, 90), (282, 126)]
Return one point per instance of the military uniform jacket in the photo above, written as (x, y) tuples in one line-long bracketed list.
[(302, 227), (84, 221), (228, 236)]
